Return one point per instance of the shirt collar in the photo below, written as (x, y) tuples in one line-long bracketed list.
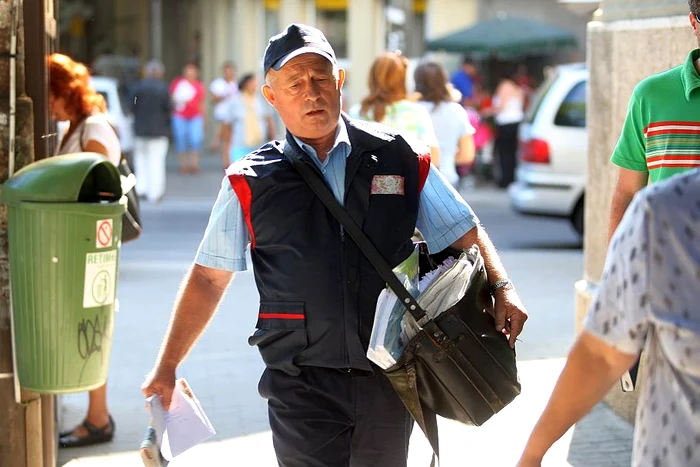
[(341, 139), (689, 75)]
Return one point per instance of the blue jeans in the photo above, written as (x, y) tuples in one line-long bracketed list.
[(188, 134)]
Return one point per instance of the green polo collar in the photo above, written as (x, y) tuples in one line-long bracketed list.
[(689, 75)]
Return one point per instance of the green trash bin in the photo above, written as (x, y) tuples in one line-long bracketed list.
[(64, 226)]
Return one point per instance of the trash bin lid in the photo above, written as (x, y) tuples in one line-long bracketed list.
[(80, 177)]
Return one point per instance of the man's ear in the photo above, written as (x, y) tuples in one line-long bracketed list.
[(693, 23), (269, 94), (341, 78)]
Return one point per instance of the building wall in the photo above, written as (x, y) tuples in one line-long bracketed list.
[(441, 18)]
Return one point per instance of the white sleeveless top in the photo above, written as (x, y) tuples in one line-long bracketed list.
[(96, 128), (511, 113)]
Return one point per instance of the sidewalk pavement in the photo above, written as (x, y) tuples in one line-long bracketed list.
[(602, 439)]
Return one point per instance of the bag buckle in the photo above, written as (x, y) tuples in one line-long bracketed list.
[(423, 321)]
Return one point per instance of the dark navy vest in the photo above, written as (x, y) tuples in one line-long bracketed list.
[(317, 290)]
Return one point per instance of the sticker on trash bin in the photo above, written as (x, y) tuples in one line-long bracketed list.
[(100, 275), (103, 234)]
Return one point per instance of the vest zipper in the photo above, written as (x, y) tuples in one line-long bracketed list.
[(343, 280)]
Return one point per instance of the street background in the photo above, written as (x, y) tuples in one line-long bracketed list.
[(543, 257)]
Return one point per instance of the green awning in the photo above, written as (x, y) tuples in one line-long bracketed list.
[(506, 37)]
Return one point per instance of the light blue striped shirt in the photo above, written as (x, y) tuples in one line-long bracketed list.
[(443, 215)]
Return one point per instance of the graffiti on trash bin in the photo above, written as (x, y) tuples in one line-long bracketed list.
[(92, 337)]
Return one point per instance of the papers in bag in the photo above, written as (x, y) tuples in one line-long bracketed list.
[(386, 341), (438, 291), (181, 427)]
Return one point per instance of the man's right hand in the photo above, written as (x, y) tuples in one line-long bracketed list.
[(160, 381)]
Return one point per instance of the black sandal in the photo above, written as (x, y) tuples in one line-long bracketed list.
[(95, 435)]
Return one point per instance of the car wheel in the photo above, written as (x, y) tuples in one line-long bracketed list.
[(577, 218)]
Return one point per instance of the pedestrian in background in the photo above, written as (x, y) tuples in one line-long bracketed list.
[(454, 132), (223, 89), (388, 102), (151, 107), (187, 94), (327, 404), (508, 112), (661, 134), (250, 117), (647, 299), (465, 80), (73, 100)]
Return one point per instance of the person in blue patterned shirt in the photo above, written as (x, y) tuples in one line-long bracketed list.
[(648, 298)]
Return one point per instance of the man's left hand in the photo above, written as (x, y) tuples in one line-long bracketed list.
[(510, 314)]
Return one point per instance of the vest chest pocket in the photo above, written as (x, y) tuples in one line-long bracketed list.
[(280, 335)]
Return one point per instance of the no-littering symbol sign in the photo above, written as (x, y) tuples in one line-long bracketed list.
[(100, 278), (103, 234)]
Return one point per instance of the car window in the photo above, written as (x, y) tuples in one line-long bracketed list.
[(538, 98), (572, 112)]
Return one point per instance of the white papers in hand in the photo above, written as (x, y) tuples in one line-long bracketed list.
[(183, 426)]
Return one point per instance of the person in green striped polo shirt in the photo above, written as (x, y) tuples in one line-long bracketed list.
[(660, 137), (661, 134)]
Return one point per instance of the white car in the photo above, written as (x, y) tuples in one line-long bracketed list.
[(551, 174), (121, 120)]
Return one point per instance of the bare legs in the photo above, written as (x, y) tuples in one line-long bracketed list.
[(97, 418), (189, 162)]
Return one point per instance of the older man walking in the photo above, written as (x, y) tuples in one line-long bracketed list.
[(328, 405)]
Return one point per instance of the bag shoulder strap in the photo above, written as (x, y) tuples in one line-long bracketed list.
[(426, 419), (424, 416), (360, 238)]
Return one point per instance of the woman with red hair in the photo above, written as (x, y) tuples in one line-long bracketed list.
[(388, 102), (72, 99)]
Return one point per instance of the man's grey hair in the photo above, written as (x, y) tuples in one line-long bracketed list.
[(694, 6), (153, 68)]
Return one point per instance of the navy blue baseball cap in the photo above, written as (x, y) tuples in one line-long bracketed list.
[(297, 39)]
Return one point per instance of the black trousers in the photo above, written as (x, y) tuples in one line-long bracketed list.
[(506, 150), (335, 418)]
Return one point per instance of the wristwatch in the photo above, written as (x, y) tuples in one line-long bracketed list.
[(505, 284)]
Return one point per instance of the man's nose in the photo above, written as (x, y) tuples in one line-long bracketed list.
[(313, 91)]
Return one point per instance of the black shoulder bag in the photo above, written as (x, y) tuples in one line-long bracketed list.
[(458, 366)]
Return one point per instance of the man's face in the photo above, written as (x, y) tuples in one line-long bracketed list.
[(306, 95)]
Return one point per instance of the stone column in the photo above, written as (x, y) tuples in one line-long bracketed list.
[(366, 39), (619, 56), (249, 30), (21, 442), (156, 33), (297, 11)]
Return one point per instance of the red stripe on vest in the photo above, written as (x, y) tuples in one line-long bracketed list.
[(242, 189), (280, 316), (423, 170)]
